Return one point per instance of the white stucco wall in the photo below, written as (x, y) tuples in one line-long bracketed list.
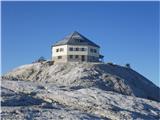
[(92, 53), (60, 53), (77, 52), (66, 50)]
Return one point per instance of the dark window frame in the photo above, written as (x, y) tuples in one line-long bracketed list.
[(95, 51), (59, 57), (83, 58), (70, 48), (61, 49), (57, 50), (81, 41), (82, 49), (91, 50), (77, 49), (76, 56), (71, 56)]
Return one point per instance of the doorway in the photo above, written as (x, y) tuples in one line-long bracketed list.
[(83, 58)]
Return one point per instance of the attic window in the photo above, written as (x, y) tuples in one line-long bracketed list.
[(79, 40)]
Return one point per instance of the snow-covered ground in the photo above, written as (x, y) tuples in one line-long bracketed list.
[(23, 100), (83, 75), (77, 91)]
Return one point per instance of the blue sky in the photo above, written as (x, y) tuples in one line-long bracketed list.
[(126, 31)]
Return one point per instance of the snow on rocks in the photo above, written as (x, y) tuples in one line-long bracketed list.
[(57, 102), (78, 91), (84, 75)]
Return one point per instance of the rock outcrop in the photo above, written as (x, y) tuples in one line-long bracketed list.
[(83, 75), (78, 91)]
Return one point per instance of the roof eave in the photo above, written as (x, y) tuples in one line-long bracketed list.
[(71, 44)]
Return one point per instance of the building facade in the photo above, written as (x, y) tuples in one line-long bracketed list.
[(75, 48)]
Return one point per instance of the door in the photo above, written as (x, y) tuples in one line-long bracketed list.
[(83, 58)]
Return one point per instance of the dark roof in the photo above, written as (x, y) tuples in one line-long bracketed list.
[(75, 38)]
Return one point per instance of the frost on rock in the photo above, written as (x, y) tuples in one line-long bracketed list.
[(78, 91), (83, 75)]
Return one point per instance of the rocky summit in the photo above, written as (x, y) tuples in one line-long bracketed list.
[(77, 91)]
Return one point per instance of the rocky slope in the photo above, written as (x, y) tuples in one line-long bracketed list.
[(83, 75), (77, 91)]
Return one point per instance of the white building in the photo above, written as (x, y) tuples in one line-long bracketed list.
[(75, 48)]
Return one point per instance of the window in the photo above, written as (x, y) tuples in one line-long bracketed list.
[(91, 50), (95, 50), (82, 49), (61, 49), (77, 49), (70, 49), (76, 56), (81, 40), (57, 50), (59, 57), (78, 40), (71, 56)]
